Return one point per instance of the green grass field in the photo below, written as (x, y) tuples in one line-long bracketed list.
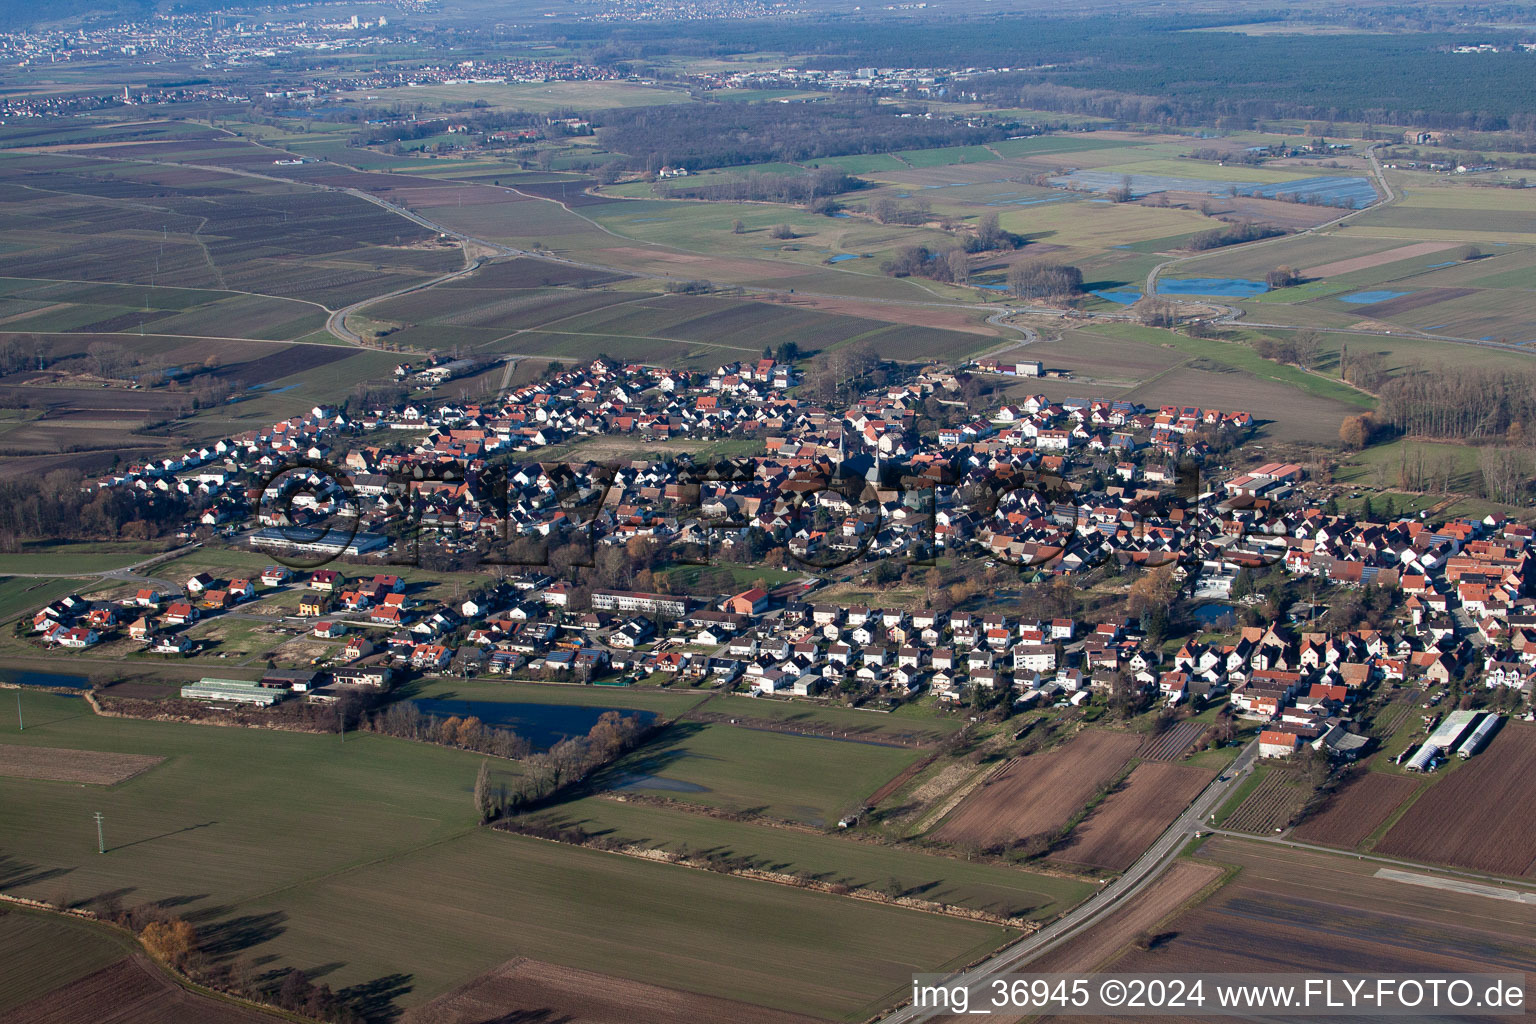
[(83, 557), (988, 887), (436, 916), (783, 776), (817, 717), (1241, 357), (946, 155), (301, 850), (19, 594)]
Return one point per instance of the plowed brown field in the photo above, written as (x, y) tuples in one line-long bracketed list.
[(1356, 810), (62, 765), (131, 991), (1040, 792), (1121, 828), (1481, 815)]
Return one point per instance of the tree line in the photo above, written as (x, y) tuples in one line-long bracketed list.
[(694, 135), (1232, 234), (1460, 402), (804, 189)]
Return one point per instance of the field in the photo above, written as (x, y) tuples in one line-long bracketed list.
[(19, 594), (698, 331), (61, 970), (540, 990), (41, 952), (138, 992), (1039, 793), (440, 915), (302, 850), (1121, 828), (1270, 804), (89, 766), (1169, 745), (1477, 816), (827, 858), (1292, 910), (834, 722), (1357, 810), (753, 771), (1141, 914)]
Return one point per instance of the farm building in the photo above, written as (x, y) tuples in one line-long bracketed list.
[(309, 541), (240, 691), (1452, 729), (1421, 759), (1479, 737)]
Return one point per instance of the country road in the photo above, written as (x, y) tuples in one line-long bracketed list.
[(1136, 878)]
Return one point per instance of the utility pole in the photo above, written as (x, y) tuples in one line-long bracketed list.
[(21, 726), (101, 843), (341, 722)]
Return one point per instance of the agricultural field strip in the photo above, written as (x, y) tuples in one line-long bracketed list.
[(63, 765), (1494, 892)]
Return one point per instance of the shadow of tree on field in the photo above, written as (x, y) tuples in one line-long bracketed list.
[(375, 1000), (223, 939), (541, 1016), (15, 873)]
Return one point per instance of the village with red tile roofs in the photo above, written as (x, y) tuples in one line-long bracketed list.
[(578, 561)]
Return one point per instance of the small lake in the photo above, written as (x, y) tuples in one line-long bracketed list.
[(1366, 298), (1222, 287), (542, 725), (23, 677), (1124, 297), (641, 780), (1212, 614)]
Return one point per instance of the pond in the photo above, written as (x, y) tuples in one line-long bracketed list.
[(542, 725), (1367, 298), (23, 677), (1213, 614), (1123, 296), (1223, 287), (641, 780), (840, 257)]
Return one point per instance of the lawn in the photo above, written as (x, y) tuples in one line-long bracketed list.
[(797, 778), (303, 850), (989, 887)]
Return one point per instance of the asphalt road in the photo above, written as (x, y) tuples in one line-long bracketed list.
[(1137, 877)]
